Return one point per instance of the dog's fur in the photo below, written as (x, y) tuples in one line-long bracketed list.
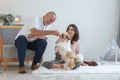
[(69, 61), (63, 49)]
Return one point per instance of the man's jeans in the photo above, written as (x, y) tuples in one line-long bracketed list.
[(38, 46)]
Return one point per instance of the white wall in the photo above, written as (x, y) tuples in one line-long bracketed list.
[(96, 19)]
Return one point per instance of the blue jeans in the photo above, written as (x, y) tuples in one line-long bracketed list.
[(38, 46)]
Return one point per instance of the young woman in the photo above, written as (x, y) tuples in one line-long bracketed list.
[(73, 31)]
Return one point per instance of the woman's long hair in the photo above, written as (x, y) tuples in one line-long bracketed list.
[(76, 35)]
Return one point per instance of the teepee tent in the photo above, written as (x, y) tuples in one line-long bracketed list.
[(111, 52)]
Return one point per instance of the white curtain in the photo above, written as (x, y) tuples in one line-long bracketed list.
[(118, 33)]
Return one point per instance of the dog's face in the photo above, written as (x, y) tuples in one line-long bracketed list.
[(65, 36)]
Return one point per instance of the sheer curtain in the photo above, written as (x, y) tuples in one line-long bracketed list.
[(118, 34), (118, 31)]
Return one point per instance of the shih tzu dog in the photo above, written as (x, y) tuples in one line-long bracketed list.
[(63, 51)]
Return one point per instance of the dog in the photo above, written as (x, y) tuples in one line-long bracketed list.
[(63, 44), (63, 51)]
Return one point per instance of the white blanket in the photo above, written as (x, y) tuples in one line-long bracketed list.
[(106, 68)]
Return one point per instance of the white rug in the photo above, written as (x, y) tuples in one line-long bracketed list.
[(106, 68)]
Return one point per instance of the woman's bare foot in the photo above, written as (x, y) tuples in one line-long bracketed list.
[(84, 64), (57, 66)]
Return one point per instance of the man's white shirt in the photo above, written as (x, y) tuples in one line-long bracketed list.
[(38, 24)]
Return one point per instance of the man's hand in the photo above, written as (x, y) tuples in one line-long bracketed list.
[(31, 36), (33, 32), (55, 32)]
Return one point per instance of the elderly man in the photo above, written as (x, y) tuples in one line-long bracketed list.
[(34, 38)]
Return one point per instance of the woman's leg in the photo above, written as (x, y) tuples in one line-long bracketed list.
[(52, 64), (58, 66)]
